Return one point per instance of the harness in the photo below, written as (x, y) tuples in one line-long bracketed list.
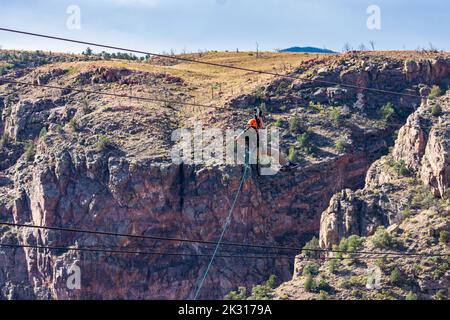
[(259, 124)]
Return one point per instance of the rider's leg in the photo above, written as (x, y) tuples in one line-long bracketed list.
[(275, 154)]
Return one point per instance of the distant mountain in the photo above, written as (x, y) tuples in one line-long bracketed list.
[(307, 49)]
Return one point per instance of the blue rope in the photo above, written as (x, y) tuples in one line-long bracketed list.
[(227, 223)]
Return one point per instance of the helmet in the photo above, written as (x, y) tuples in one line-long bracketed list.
[(254, 124)]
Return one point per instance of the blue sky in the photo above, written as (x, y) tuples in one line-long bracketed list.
[(162, 25)]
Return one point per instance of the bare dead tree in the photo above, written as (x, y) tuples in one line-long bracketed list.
[(432, 47), (362, 47), (372, 45), (347, 47)]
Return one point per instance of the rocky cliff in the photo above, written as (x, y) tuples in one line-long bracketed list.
[(404, 207), (421, 151), (88, 162)]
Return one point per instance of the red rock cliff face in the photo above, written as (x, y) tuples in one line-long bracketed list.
[(73, 186), (115, 194)]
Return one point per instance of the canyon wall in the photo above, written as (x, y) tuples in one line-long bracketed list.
[(69, 183)]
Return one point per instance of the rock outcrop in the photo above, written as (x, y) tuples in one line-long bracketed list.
[(404, 208), (422, 150), (163, 200)]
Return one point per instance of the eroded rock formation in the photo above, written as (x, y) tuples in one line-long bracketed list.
[(422, 148)]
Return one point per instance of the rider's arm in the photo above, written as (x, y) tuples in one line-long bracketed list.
[(238, 137)]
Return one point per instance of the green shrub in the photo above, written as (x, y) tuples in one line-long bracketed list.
[(310, 283), (293, 155), (345, 284), (342, 145), (343, 244), (88, 52), (358, 281), (435, 92), (323, 296), (304, 139), (281, 89), (323, 285), (443, 237), (103, 143), (241, 294), (399, 167), (406, 213), (336, 116), (73, 124), (436, 110), (261, 292), (311, 248), (43, 133), (353, 243), (317, 106), (441, 295), (264, 291), (295, 125), (279, 123), (423, 198), (332, 265), (388, 112), (396, 277), (30, 151), (335, 249), (438, 273), (354, 281), (311, 269), (5, 140), (305, 142), (382, 239), (272, 282), (72, 71), (381, 263), (384, 295), (411, 296)]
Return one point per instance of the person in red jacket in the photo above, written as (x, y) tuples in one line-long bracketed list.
[(256, 124)]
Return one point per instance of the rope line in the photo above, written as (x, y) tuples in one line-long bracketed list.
[(178, 58), (242, 256), (225, 227), (231, 244), (106, 233), (134, 252), (112, 94)]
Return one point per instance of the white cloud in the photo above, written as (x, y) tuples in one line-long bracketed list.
[(132, 3)]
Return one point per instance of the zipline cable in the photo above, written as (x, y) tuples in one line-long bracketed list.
[(112, 94), (129, 252), (178, 58), (138, 252), (225, 227), (231, 244)]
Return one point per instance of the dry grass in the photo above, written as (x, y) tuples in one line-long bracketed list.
[(207, 83)]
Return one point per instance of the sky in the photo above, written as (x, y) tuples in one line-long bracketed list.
[(192, 25)]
